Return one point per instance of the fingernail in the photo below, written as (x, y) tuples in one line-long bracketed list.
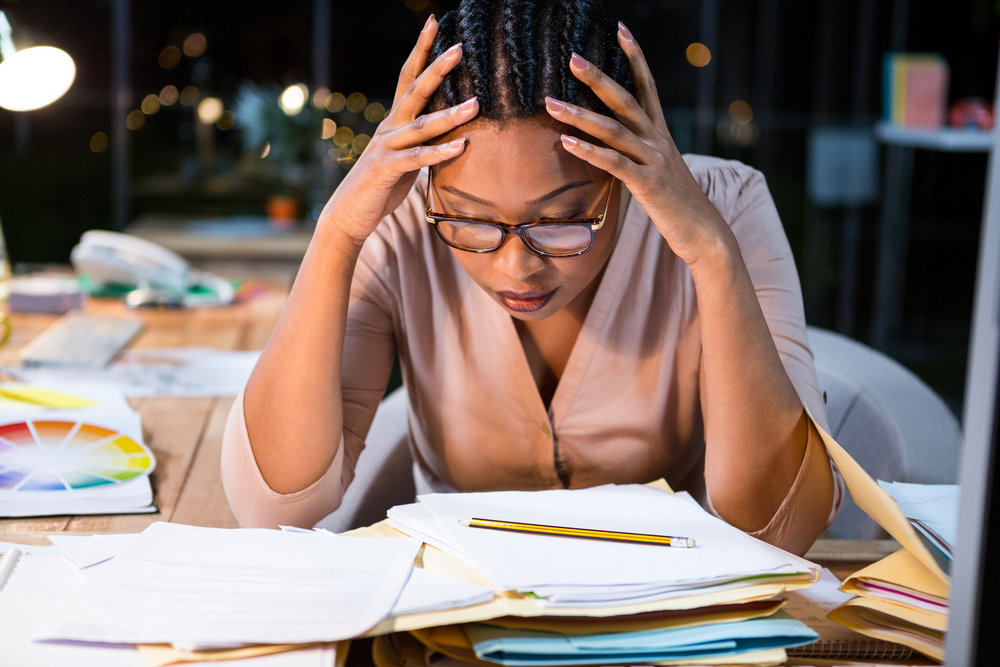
[(455, 48), (427, 23), (468, 104), (625, 32), (578, 60), (554, 105), (456, 144), (569, 141)]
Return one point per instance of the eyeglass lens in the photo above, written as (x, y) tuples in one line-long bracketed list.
[(557, 239)]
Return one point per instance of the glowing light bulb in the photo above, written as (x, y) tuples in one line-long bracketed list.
[(35, 77), (293, 99)]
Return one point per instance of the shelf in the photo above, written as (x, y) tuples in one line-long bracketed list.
[(946, 139)]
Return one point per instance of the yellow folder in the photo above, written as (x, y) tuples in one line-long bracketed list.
[(879, 505), (900, 570), (882, 620)]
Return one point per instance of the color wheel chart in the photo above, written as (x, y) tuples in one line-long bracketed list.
[(47, 455)]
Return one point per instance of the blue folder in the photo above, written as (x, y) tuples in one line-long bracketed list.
[(528, 648)]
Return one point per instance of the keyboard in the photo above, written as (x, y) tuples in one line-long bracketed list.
[(79, 339)]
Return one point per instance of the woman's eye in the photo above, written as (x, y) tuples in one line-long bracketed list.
[(563, 216)]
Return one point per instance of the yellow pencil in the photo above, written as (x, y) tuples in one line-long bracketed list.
[(581, 533)]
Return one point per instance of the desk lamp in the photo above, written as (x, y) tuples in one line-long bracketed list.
[(34, 77)]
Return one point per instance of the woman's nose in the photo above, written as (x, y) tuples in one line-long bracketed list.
[(515, 261)]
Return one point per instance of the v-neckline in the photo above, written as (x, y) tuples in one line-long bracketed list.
[(586, 340)]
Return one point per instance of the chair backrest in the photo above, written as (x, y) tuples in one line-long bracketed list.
[(887, 418)]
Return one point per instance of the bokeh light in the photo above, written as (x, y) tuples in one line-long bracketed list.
[(169, 58), (195, 45), (740, 112), (329, 127), (227, 120), (169, 95), (698, 54), (210, 110), (356, 102), (343, 136), (293, 99), (150, 104), (336, 103), (374, 112), (319, 97), (99, 142), (135, 120), (360, 143), (189, 96)]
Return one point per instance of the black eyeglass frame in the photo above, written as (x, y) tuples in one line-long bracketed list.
[(593, 224)]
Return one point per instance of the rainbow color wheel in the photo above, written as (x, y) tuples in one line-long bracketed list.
[(46, 455)]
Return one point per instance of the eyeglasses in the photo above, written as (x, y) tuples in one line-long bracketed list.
[(548, 238)]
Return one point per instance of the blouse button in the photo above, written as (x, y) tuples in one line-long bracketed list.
[(546, 431)]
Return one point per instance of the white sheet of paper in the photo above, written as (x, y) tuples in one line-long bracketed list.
[(184, 584), (546, 565), (39, 584), (88, 550), (430, 591), (179, 371), (933, 504)]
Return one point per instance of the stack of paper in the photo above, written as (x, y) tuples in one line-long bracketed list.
[(71, 449), (208, 587), (42, 579), (716, 641), (558, 572), (898, 599), (572, 601), (902, 598)]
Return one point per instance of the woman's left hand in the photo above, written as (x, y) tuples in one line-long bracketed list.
[(640, 152)]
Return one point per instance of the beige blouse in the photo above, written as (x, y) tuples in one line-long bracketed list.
[(627, 407)]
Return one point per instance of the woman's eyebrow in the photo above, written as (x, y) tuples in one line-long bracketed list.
[(555, 193)]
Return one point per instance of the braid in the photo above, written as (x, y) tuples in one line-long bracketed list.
[(474, 30), (518, 19), (516, 52), (445, 38)]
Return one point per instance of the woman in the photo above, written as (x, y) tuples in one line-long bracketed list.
[(573, 302)]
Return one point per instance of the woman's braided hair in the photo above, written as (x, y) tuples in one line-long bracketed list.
[(516, 52)]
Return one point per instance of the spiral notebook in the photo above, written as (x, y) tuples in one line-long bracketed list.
[(812, 605)]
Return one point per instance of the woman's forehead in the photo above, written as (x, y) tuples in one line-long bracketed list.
[(523, 156)]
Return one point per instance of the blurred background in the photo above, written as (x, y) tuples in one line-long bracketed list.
[(220, 128)]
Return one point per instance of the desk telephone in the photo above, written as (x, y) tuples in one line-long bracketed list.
[(160, 277)]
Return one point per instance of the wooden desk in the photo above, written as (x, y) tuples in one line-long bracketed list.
[(184, 433)]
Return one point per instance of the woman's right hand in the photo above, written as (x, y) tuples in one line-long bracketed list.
[(387, 169)]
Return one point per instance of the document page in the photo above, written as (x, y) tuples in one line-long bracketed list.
[(551, 566), (203, 586)]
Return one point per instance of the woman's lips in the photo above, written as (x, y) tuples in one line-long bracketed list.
[(525, 302)]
